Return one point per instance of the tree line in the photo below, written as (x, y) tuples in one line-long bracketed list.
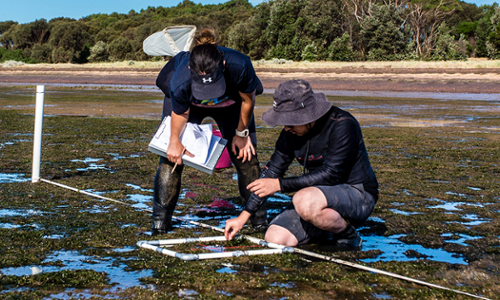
[(313, 30)]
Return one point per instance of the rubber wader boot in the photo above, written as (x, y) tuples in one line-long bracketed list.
[(349, 238), (166, 192), (247, 173)]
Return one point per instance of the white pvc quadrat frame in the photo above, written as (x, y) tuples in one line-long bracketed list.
[(157, 246)]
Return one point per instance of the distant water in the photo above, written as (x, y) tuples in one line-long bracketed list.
[(426, 95)]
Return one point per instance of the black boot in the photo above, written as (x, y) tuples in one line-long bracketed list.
[(247, 173), (166, 192), (349, 238)]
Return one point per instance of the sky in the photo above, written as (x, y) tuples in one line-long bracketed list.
[(27, 11)]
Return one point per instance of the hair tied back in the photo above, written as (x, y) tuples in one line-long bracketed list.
[(206, 36)]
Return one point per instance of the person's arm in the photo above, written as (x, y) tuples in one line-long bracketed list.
[(242, 147), (175, 148), (267, 184), (234, 225), (261, 187)]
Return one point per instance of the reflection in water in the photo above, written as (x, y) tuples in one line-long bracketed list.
[(91, 162), (226, 270), (459, 238), (394, 250), (421, 95), (10, 178), (187, 294), (402, 212), (73, 260)]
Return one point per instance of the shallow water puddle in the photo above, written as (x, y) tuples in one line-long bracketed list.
[(395, 250), (91, 162), (426, 95), (402, 212), (96, 209), (2, 145), (460, 238), (10, 178), (226, 270), (287, 285), (73, 260), (460, 195), (397, 121), (19, 212), (142, 202), (117, 156), (136, 187), (54, 236), (70, 294), (187, 294), (383, 295)]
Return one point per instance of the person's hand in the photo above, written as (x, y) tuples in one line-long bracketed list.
[(235, 225), (243, 148), (264, 187), (175, 151)]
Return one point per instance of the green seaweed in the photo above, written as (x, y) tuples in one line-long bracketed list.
[(416, 163)]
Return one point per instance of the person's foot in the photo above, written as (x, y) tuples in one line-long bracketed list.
[(159, 227), (348, 238), (261, 227), (353, 242), (155, 231)]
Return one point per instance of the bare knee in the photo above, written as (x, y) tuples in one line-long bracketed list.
[(282, 236), (309, 202)]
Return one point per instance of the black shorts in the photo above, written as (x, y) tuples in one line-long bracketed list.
[(350, 201)]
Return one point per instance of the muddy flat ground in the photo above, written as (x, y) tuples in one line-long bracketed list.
[(359, 78)]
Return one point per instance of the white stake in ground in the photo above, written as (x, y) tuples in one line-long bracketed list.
[(37, 136)]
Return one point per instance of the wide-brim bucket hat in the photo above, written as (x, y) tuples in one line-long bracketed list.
[(296, 104)]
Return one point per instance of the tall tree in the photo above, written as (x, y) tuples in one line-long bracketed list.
[(493, 44), (424, 18), (382, 33), (69, 39), (249, 36)]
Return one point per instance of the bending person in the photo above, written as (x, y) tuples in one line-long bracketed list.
[(339, 190), (209, 81)]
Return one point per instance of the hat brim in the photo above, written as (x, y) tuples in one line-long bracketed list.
[(301, 116), (210, 91)]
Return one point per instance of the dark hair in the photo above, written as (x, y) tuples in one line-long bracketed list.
[(205, 56)]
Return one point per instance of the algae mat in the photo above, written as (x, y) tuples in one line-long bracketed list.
[(436, 220)]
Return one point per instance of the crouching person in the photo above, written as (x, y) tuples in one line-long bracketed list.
[(338, 189)]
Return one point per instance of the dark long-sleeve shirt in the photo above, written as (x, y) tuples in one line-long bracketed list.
[(333, 152)]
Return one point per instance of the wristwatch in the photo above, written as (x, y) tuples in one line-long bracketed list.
[(243, 133)]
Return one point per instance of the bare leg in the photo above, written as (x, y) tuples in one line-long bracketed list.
[(311, 205), (279, 235)]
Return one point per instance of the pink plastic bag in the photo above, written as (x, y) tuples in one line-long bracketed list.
[(224, 161)]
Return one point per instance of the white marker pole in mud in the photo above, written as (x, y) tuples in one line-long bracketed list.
[(37, 136)]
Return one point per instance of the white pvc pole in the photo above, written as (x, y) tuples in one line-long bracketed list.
[(37, 136)]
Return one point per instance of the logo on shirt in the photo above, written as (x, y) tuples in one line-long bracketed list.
[(207, 80)]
